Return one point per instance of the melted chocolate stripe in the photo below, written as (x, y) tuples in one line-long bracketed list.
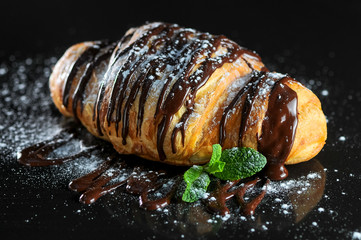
[(189, 45), (151, 60), (246, 109), (129, 103), (146, 84), (139, 183), (80, 88), (144, 38), (249, 208), (279, 125), (192, 89), (162, 128), (229, 108), (101, 91), (120, 94), (119, 52), (180, 90), (121, 81), (207, 70), (98, 186), (180, 127), (138, 44), (143, 97), (173, 42), (132, 74), (97, 106), (181, 69), (187, 83), (279, 129), (89, 53), (162, 64), (93, 194)]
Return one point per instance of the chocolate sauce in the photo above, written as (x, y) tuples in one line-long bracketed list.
[(97, 183), (216, 201), (189, 57), (185, 88), (279, 129), (249, 208), (279, 124), (257, 84), (133, 61), (36, 155), (161, 202), (85, 57), (134, 68), (84, 182), (78, 94), (243, 100), (140, 181), (236, 102)]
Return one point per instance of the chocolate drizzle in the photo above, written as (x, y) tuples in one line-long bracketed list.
[(84, 79), (86, 57), (184, 89), (279, 129), (181, 61), (280, 121), (37, 155), (250, 207), (134, 68), (216, 201), (237, 101), (148, 184), (189, 58)]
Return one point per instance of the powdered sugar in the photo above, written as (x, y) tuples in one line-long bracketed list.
[(28, 116)]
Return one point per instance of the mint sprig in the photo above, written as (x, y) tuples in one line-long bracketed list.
[(231, 164)]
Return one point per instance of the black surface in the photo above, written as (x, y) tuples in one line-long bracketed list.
[(318, 43)]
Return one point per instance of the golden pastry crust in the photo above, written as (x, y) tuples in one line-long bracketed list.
[(185, 142), (311, 131)]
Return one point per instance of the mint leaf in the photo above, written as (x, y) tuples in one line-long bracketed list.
[(231, 164), (216, 154), (192, 174), (215, 165), (215, 168), (197, 183), (240, 163)]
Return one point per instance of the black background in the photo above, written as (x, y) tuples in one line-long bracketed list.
[(316, 40), (316, 26), (314, 30)]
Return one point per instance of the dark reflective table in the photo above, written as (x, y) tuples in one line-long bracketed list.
[(317, 44)]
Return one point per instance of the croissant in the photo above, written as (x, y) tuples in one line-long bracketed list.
[(168, 93)]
